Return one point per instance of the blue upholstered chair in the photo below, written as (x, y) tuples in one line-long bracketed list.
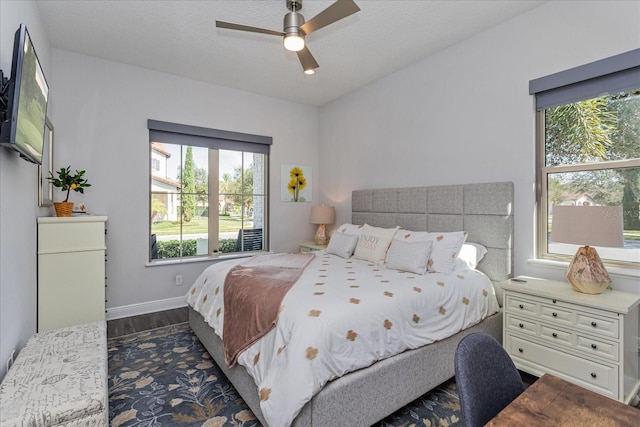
[(486, 377)]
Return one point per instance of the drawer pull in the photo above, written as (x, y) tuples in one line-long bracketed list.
[(593, 346), (521, 350), (521, 325), (554, 314), (594, 324), (554, 335), (553, 301), (593, 375), (521, 306)]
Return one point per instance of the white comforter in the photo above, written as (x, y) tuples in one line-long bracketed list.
[(343, 315)]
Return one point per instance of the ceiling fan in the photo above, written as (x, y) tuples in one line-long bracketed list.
[(295, 28)]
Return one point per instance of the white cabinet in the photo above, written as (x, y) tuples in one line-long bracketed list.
[(71, 271), (589, 340)]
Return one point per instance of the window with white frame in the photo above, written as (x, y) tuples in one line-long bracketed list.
[(208, 193), (588, 150)]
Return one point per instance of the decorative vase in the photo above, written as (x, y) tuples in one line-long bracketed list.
[(63, 208)]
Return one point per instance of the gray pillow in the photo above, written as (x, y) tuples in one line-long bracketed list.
[(342, 244), (409, 256)]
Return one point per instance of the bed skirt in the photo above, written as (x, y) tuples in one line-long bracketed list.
[(365, 396)]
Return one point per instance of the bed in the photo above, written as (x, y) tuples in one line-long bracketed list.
[(367, 395)]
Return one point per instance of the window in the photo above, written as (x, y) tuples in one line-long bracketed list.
[(208, 191), (588, 144)]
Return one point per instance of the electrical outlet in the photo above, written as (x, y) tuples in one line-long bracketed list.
[(179, 280)]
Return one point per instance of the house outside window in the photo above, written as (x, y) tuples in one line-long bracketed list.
[(209, 194), (588, 144)]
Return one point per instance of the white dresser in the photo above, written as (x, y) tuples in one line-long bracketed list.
[(71, 271), (589, 340)]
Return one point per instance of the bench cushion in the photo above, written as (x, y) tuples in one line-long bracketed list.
[(59, 378)]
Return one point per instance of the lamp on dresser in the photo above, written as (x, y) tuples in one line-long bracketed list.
[(588, 226), (322, 215)]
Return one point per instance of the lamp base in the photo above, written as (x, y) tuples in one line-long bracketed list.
[(586, 272), (321, 235)]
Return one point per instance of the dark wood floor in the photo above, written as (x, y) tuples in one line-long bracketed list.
[(144, 322)]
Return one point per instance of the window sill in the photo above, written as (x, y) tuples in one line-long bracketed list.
[(614, 271), (191, 260)]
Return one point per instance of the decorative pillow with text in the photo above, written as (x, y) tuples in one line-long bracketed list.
[(373, 243)]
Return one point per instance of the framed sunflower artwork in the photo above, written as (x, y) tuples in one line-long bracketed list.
[(296, 183)]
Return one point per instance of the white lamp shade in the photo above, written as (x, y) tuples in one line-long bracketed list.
[(323, 214), (587, 225)]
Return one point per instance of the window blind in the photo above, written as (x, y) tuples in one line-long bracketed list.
[(618, 73), (174, 133)]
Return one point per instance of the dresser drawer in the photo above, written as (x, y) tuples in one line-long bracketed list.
[(70, 237), (556, 336), (556, 315), (521, 325), (595, 376), (521, 305), (608, 349), (597, 325)]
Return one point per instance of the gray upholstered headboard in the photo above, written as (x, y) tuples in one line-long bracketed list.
[(485, 211)]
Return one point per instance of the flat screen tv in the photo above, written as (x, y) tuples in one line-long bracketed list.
[(26, 99)]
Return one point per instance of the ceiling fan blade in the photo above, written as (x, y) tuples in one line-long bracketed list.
[(306, 59), (338, 10), (231, 26)]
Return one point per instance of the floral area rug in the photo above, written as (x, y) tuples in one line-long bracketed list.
[(165, 377)]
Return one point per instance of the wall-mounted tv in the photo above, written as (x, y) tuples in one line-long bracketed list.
[(25, 96)]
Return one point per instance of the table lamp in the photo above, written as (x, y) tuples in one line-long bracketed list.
[(322, 215), (589, 226)]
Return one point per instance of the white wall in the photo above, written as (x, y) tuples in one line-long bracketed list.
[(18, 201), (100, 123), (465, 115)]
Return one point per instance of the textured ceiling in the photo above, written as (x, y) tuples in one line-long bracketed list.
[(180, 38)]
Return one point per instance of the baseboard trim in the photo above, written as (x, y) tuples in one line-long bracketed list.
[(145, 307)]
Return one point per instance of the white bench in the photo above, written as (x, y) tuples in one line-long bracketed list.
[(59, 378)]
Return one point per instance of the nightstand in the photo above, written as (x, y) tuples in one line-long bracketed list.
[(588, 340), (311, 247)]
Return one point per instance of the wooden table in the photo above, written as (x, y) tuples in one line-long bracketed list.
[(551, 401)]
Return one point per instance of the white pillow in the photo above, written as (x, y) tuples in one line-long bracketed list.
[(342, 244), (460, 266), (471, 254), (409, 256), (347, 228), (446, 246), (373, 243)]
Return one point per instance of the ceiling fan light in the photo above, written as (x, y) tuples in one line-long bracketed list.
[(310, 71), (293, 42)]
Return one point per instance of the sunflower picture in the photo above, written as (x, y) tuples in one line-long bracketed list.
[(296, 183)]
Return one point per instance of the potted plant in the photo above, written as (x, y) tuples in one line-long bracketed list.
[(67, 182)]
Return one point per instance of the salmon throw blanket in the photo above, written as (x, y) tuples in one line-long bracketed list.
[(253, 293)]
